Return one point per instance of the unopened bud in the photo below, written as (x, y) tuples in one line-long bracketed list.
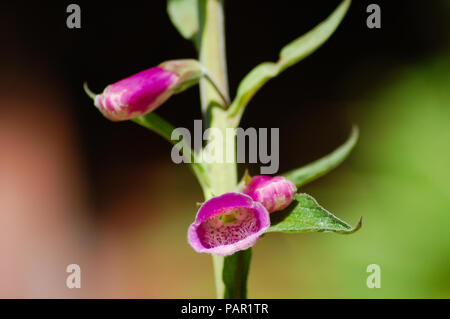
[(143, 92), (275, 193)]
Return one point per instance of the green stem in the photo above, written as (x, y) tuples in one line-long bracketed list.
[(230, 272), (223, 176)]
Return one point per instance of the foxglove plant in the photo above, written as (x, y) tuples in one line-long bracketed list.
[(235, 215)]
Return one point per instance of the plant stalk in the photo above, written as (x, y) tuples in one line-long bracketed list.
[(223, 175)]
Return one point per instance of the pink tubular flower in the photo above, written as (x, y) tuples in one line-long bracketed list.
[(275, 193), (227, 224), (143, 92)]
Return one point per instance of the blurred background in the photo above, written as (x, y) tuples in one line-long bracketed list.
[(78, 189)]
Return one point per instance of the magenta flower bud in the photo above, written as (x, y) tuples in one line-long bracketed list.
[(143, 92), (227, 224), (275, 193)]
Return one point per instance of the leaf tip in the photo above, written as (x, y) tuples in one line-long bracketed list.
[(356, 228), (355, 132)]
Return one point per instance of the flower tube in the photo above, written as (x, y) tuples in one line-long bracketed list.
[(228, 223)]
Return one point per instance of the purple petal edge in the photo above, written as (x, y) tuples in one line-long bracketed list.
[(220, 203)]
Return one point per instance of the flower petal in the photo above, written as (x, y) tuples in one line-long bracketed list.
[(275, 193), (136, 95), (228, 223), (143, 92)]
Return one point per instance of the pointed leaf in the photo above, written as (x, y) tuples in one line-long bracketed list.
[(314, 170), (289, 55), (311, 41), (306, 215)]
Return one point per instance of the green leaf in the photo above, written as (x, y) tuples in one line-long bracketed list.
[(289, 55), (314, 170), (184, 16), (235, 274), (306, 215), (311, 41)]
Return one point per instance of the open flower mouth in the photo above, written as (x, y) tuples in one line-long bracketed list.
[(228, 223), (228, 227)]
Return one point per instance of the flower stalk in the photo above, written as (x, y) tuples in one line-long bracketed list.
[(233, 216), (212, 56)]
